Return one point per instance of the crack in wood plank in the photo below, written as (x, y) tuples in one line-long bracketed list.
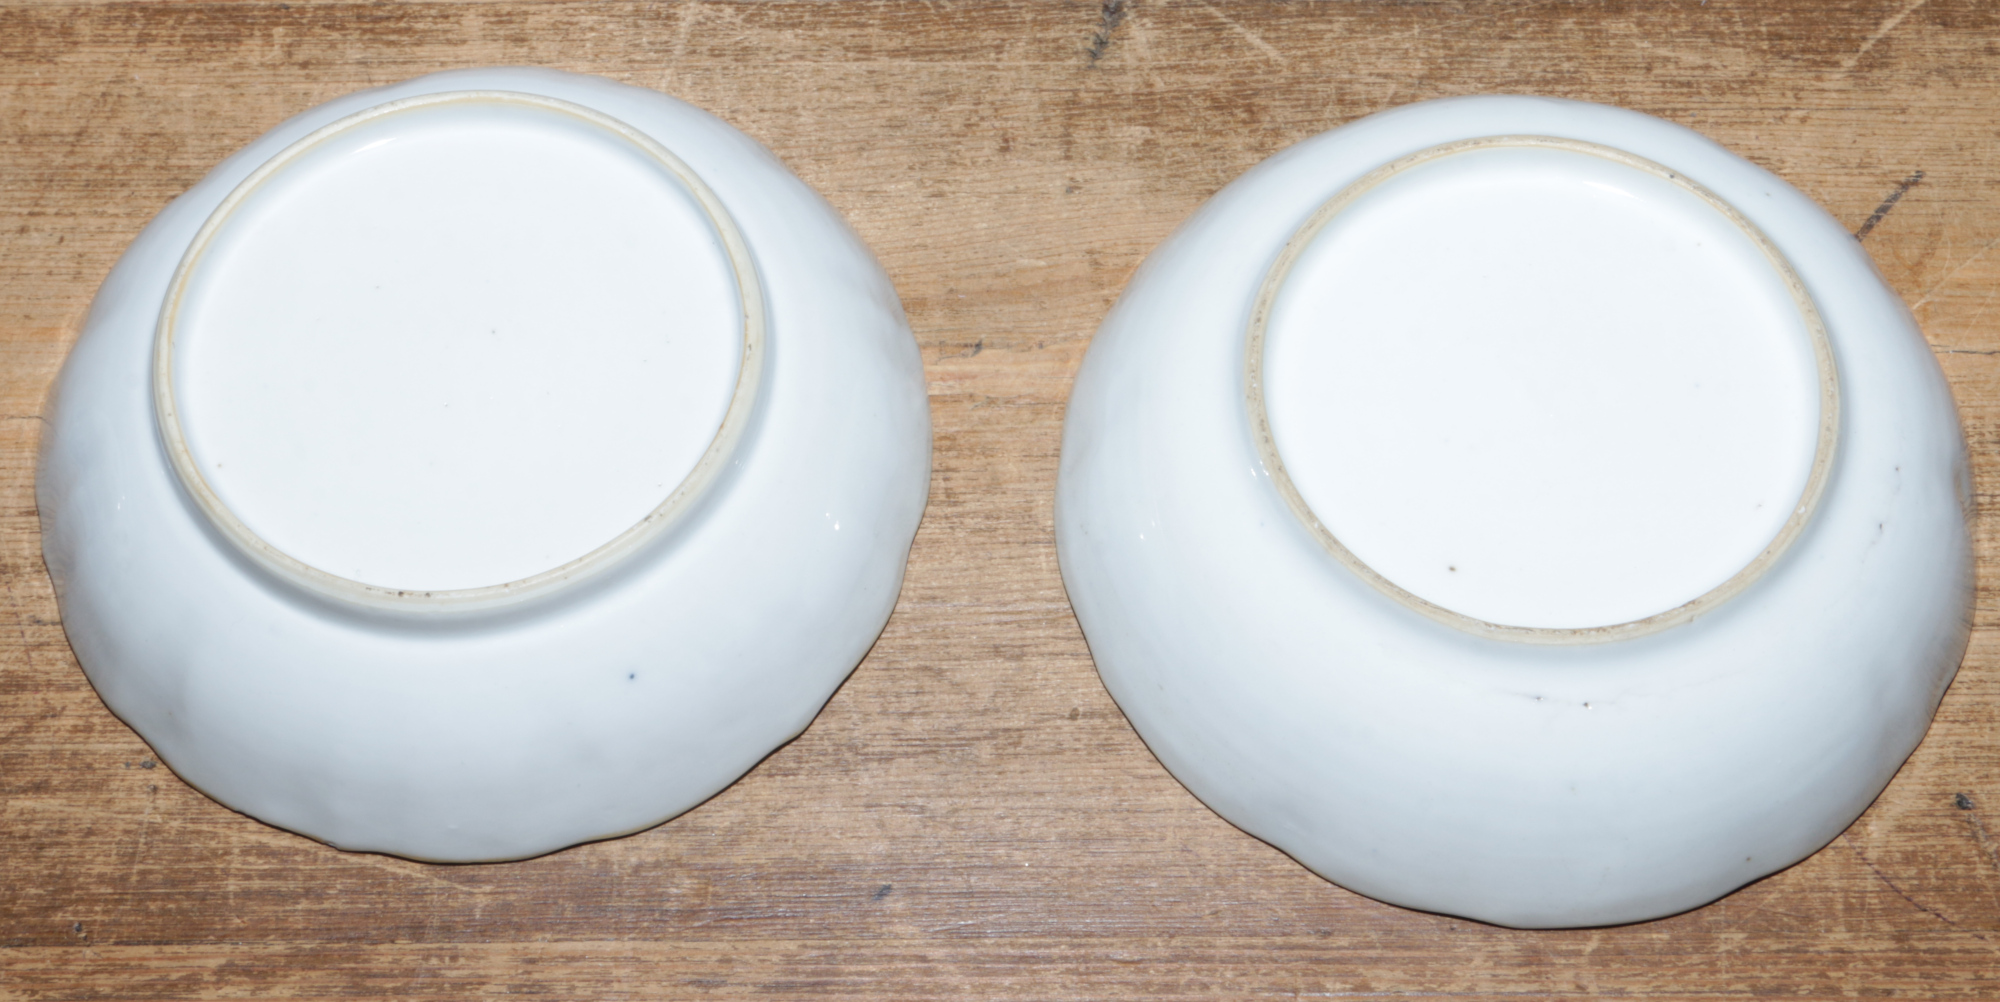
[(1882, 211), (1109, 16)]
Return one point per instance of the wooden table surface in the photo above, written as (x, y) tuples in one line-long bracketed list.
[(970, 816)]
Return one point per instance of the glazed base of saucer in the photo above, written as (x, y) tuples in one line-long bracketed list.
[(1542, 387), (453, 342)]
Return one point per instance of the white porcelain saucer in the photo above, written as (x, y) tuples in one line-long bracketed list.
[(1521, 509), (479, 465)]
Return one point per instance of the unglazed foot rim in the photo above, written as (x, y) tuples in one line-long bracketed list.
[(426, 601), (1273, 461)]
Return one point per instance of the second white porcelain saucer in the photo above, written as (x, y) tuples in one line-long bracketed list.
[(1522, 509)]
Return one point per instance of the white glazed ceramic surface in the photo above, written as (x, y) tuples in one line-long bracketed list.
[(483, 464), (1521, 509)]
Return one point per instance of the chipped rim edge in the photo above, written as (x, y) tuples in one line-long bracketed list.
[(1267, 449), (750, 298)]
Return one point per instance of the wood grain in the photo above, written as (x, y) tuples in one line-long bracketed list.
[(970, 816)]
